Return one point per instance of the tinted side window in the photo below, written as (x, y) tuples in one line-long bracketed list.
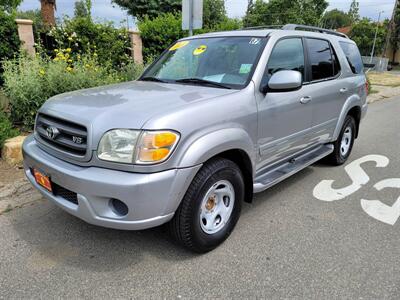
[(353, 57), (322, 60), (288, 54)]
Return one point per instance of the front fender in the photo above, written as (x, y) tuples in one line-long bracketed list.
[(216, 142), (353, 101)]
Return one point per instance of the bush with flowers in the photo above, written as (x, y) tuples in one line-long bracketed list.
[(30, 81), (82, 35)]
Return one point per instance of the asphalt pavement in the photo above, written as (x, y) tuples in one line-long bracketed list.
[(304, 238)]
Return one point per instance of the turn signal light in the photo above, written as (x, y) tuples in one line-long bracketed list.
[(155, 147)]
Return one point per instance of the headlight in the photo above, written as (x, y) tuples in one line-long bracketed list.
[(129, 146), (118, 145), (155, 146)]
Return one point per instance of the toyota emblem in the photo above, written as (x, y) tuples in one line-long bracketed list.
[(52, 132)]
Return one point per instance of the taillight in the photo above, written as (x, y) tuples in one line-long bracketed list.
[(366, 87)]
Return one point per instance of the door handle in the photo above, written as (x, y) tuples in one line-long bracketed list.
[(305, 100), (343, 90)]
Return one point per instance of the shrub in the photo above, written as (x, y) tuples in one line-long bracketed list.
[(157, 34), (6, 129), (228, 24), (9, 40), (82, 35), (29, 82)]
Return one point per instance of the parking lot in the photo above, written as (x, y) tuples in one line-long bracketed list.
[(315, 235)]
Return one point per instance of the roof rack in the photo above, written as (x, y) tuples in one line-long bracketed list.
[(313, 28), (262, 27)]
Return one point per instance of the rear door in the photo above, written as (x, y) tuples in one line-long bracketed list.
[(326, 87)]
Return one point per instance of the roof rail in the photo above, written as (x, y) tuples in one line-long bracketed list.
[(262, 27), (313, 28)]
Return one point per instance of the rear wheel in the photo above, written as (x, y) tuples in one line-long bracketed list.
[(344, 144), (210, 208)]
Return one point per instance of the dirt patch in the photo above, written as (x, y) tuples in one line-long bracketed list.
[(10, 174)]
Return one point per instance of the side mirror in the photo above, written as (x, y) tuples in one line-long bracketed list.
[(284, 81)]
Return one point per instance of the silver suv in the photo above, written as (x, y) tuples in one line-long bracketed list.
[(216, 118)]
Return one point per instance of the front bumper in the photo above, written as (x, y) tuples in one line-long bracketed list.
[(151, 198)]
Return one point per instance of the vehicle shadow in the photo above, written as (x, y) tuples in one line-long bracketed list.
[(58, 239)]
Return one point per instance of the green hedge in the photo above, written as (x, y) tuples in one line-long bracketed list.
[(158, 33), (9, 40)]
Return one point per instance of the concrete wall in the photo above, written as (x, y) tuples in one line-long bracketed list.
[(25, 32)]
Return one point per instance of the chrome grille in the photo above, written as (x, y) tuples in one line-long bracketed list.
[(61, 134)]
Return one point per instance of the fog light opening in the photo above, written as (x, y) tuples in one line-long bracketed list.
[(119, 207)]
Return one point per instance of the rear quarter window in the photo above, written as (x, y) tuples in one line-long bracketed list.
[(353, 57)]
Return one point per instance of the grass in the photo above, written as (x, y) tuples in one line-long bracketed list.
[(384, 79)]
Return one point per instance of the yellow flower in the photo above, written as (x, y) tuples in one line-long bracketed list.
[(70, 39), (95, 54), (42, 72), (69, 69), (70, 60), (87, 65), (56, 50), (68, 50)]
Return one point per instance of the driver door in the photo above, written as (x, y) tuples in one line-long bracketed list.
[(284, 118)]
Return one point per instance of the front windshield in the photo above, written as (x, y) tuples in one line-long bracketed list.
[(228, 61)]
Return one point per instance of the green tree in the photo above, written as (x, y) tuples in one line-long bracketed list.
[(395, 35), (80, 9), (363, 33), (280, 12), (335, 18), (149, 8), (214, 13), (354, 11), (9, 5)]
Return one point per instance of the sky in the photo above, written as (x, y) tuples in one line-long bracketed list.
[(104, 10)]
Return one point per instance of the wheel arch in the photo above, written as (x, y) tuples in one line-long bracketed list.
[(231, 143), (355, 112), (351, 107)]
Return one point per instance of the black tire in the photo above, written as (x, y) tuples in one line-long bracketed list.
[(185, 227), (337, 158)]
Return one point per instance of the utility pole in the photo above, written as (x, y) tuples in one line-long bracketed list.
[(376, 34)]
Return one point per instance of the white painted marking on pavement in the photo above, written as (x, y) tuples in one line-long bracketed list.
[(325, 192), (381, 211)]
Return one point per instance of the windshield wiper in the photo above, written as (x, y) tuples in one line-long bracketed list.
[(150, 78), (203, 82)]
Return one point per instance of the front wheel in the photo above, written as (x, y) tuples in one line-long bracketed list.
[(210, 208), (344, 144)]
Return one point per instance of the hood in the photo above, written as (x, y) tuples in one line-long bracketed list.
[(126, 105)]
